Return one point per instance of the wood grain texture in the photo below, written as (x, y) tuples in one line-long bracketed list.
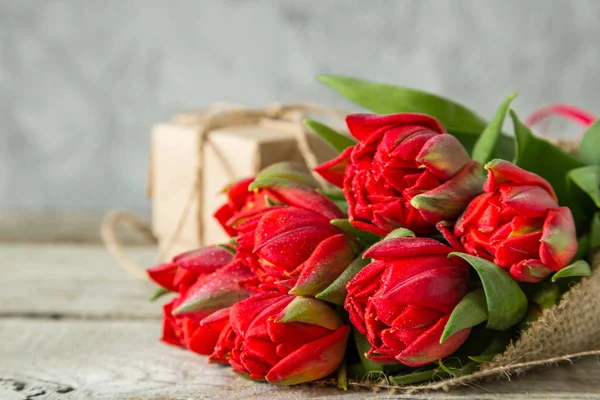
[(123, 359), (80, 281), (61, 226), (74, 326)]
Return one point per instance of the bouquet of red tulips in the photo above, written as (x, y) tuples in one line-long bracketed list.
[(439, 242)]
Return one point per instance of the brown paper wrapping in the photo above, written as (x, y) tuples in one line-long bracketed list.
[(239, 149)]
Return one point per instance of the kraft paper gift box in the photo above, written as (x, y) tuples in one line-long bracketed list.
[(187, 175)]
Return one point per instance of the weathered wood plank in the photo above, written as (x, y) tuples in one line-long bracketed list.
[(104, 343), (74, 281), (121, 359), (59, 226)]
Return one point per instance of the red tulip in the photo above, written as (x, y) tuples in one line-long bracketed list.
[(404, 172), (402, 300), (239, 200), (244, 201), (290, 243), (518, 224), (296, 250), (284, 339), (207, 282)]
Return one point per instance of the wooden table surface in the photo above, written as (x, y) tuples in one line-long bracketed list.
[(74, 325)]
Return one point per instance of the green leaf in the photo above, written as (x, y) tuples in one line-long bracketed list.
[(388, 99), (310, 311), (485, 148), (546, 295), (334, 194), (583, 248), (543, 158), (577, 269), (158, 293), (506, 302), (455, 368), (336, 140), (471, 311), (228, 248), (497, 345), (589, 148), (247, 377), (588, 179), (363, 346), (595, 234), (347, 227), (400, 233), (342, 375), (288, 170), (414, 377), (336, 292)]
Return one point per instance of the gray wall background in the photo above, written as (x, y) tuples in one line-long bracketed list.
[(82, 82)]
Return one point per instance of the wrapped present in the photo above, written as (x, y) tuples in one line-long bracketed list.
[(194, 153)]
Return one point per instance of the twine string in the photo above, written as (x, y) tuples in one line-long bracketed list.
[(214, 118)]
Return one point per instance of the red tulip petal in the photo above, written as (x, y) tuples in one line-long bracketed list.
[(326, 263), (408, 336), (443, 156), (362, 125), (440, 289), (295, 333), (312, 361), (288, 251), (530, 270), (164, 275), (448, 200), (518, 248), (360, 288), (398, 248), (365, 226), (527, 201), (427, 348), (333, 171), (559, 240), (403, 269), (472, 213), (223, 215), (260, 324), (184, 278), (392, 344), (416, 317), (405, 143), (284, 220), (204, 260), (302, 196), (170, 333), (202, 340), (243, 313), (218, 290), (261, 349), (449, 236), (217, 320), (501, 171)]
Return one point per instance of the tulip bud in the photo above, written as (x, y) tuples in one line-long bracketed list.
[(518, 224), (402, 301), (284, 339), (405, 172)]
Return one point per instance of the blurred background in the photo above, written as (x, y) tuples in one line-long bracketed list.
[(82, 82)]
